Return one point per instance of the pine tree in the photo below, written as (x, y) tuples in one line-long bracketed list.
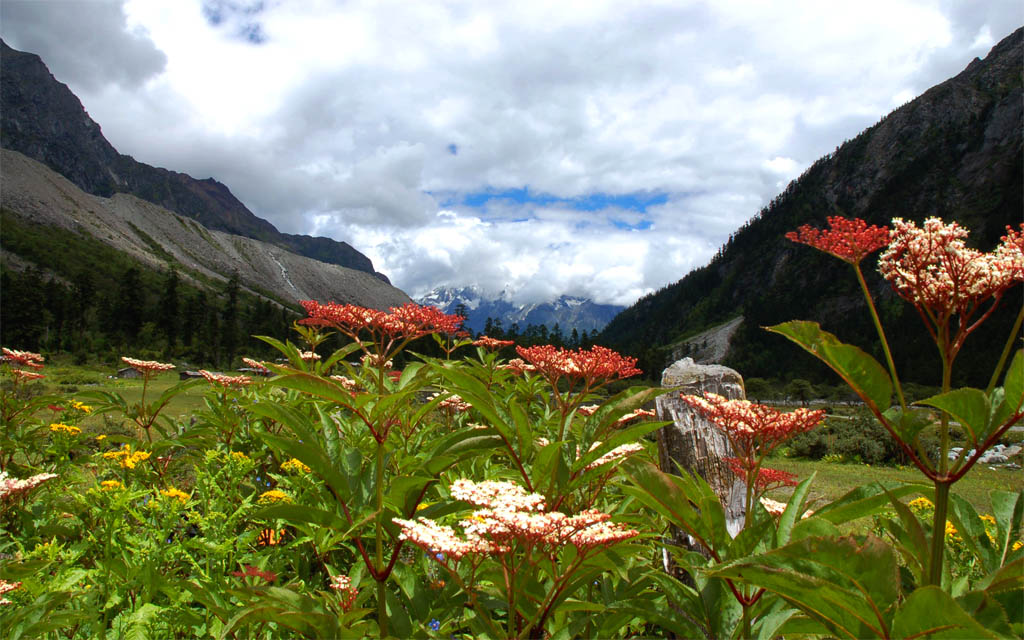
[(229, 320), (168, 319)]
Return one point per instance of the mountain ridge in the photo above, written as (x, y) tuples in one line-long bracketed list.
[(953, 152), (161, 239), (41, 118)]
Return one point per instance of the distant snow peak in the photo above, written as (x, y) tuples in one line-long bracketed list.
[(568, 312)]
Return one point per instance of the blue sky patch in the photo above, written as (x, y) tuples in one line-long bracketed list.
[(638, 201)]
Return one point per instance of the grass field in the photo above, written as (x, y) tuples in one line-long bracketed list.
[(836, 479)]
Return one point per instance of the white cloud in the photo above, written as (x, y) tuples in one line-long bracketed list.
[(372, 121)]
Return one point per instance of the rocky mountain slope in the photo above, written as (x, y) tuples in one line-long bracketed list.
[(568, 312), (41, 118), (160, 239), (954, 152)]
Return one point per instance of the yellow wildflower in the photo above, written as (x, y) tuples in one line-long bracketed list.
[(274, 495), (921, 504), (239, 456), (1017, 545), (101, 437), (126, 457), (175, 493), (294, 466), (78, 406), (59, 427), (110, 485)]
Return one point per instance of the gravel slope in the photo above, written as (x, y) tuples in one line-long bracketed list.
[(37, 194)]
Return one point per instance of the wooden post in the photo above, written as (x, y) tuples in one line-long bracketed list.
[(693, 443)]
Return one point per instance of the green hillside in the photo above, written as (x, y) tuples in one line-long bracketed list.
[(954, 152)]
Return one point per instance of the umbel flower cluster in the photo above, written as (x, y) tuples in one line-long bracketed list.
[(598, 363), (11, 487), (407, 322), (933, 268), (848, 240), (753, 430), (510, 516)]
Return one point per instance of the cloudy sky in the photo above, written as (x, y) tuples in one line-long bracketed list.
[(581, 147)]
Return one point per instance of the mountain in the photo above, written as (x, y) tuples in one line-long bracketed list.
[(41, 118), (568, 312), (954, 152), (33, 195)]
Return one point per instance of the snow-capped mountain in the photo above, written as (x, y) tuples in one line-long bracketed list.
[(568, 312)]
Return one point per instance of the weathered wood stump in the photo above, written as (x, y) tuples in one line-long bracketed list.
[(693, 443)]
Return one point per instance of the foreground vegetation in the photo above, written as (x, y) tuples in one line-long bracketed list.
[(370, 491)]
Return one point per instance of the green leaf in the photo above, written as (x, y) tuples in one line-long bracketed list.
[(972, 531), (684, 500), (930, 611), (793, 510), (863, 373), (866, 500), (848, 584), (1008, 510), (1013, 383), (967, 406)]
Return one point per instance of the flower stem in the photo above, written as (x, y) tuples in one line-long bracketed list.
[(881, 335), (939, 532), (382, 607)]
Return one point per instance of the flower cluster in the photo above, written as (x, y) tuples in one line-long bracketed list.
[(510, 515), (488, 342), (409, 321), (496, 494), (766, 478), (173, 493), (343, 585), (6, 587), (11, 487), (23, 358), (225, 381), (255, 572), (517, 366), (309, 356), (60, 427), (848, 240), (126, 457), (442, 542), (21, 374), (633, 415), (272, 496), (257, 366), (933, 268), (594, 365), (452, 404), (111, 485), (753, 430), (348, 383), (1010, 252), (294, 465), (78, 406), (146, 367), (776, 508), (618, 453)]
